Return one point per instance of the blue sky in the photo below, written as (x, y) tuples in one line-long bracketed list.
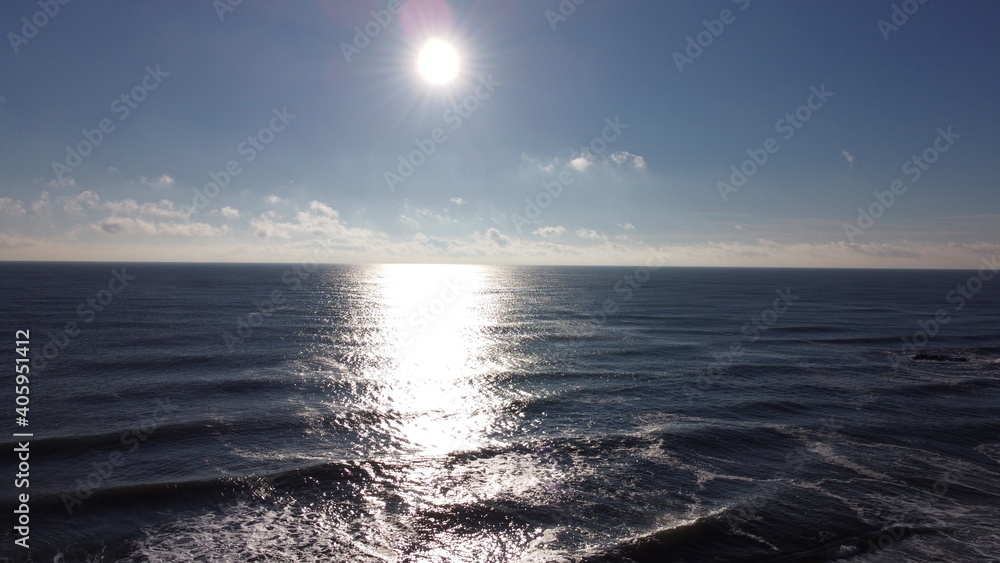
[(327, 115)]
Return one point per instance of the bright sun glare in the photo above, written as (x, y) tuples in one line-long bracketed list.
[(437, 62)]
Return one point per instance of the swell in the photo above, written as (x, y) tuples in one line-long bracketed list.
[(713, 536), (163, 437), (729, 441), (143, 360), (141, 497)]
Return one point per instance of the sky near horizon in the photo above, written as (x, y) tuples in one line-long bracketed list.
[(856, 133)]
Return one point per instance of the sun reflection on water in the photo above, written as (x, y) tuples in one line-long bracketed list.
[(436, 419), (434, 351)]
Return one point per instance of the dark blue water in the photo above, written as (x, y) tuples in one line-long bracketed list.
[(466, 413)]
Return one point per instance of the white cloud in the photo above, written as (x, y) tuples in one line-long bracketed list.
[(443, 217), (41, 206), (590, 234), (549, 231), (75, 205), (848, 157), (11, 207), (627, 158), (458, 201), (274, 200), (497, 237), (191, 229), (581, 163), (324, 209), (319, 221), (409, 221), (132, 226), (162, 208), (626, 226), (128, 226), (229, 212), (164, 181), (13, 241), (548, 168), (64, 182)]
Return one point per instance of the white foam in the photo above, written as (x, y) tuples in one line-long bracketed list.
[(991, 451)]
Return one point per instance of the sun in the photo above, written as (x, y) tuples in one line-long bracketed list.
[(437, 62)]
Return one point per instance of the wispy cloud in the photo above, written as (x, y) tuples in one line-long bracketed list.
[(75, 205), (320, 220), (13, 241), (64, 182), (137, 226), (428, 213), (164, 181), (162, 208), (586, 161), (41, 206), (590, 234), (625, 158), (11, 208), (549, 231), (497, 237)]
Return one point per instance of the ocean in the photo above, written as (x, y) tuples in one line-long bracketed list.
[(204, 412)]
